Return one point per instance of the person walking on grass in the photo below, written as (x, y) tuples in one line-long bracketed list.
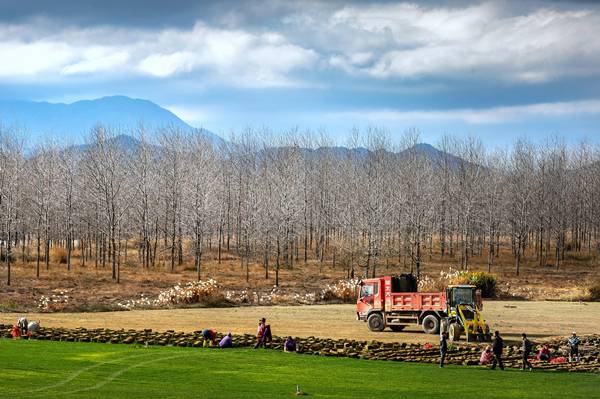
[(574, 342), (526, 348), (260, 333), (443, 347), (497, 348)]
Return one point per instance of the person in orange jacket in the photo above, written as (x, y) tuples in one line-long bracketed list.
[(260, 333)]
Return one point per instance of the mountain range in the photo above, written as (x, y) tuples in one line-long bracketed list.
[(121, 112)]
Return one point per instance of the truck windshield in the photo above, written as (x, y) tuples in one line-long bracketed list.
[(368, 290), (462, 296)]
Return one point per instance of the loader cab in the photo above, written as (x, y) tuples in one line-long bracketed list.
[(463, 295)]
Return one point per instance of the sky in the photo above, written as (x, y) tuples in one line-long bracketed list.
[(498, 70)]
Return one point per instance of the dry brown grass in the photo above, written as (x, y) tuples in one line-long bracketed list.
[(58, 255), (91, 288)]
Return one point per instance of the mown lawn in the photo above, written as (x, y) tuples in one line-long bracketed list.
[(48, 369)]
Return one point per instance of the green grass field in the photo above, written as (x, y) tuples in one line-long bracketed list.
[(48, 369)]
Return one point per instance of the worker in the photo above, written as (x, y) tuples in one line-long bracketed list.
[(544, 353), (33, 327), (260, 332), (15, 332), (289, 345), (23, 325), (486, 356), (574, 342), (443, 347), (267, 335), (226, 342), (210, 337), (497, 348), (526, 349)]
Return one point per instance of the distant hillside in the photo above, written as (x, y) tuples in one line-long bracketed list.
[(427, 151), (78, 118)]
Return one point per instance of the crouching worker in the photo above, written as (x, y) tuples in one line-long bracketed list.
[(33, 327), (15, 332), (486, 356), (226, 342), (544, 354), (210, 337), (289, 345)]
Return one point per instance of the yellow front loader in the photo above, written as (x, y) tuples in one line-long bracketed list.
[(464, 306)]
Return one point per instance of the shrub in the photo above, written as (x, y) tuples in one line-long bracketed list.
[(194, 292), (593, 290), (438, 284), (343, 290), (53, 303), (486, 282)]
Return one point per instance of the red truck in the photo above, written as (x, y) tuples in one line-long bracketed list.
[(393, 301)]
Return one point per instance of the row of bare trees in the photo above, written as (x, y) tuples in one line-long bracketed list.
[(284, 200)]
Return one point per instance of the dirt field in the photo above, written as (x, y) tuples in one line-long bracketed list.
[(539, 319)]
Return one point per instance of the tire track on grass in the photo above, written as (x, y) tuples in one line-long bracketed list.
[(117, 373), (75, 375)]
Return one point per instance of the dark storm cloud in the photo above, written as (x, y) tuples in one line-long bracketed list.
[(108, 12)]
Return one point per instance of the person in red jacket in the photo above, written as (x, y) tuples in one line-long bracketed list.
[(544, 354)]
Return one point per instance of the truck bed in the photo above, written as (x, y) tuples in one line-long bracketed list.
[(415, 301)]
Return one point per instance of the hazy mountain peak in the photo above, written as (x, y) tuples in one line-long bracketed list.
[(75, 120)]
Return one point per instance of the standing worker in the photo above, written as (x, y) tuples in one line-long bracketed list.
[(23, 325), (497, 348), (260, 332), (574, 342), (526, 348), (443, 347)]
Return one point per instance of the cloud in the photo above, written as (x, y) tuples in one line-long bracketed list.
[(411, 41), (163, 65), (297, 44), (96, 59), (21, 59), (494, 115), (231, 56)]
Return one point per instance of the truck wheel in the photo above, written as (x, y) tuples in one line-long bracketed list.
[(397, 328), (431, 324), (454, 330), (375, 322)]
